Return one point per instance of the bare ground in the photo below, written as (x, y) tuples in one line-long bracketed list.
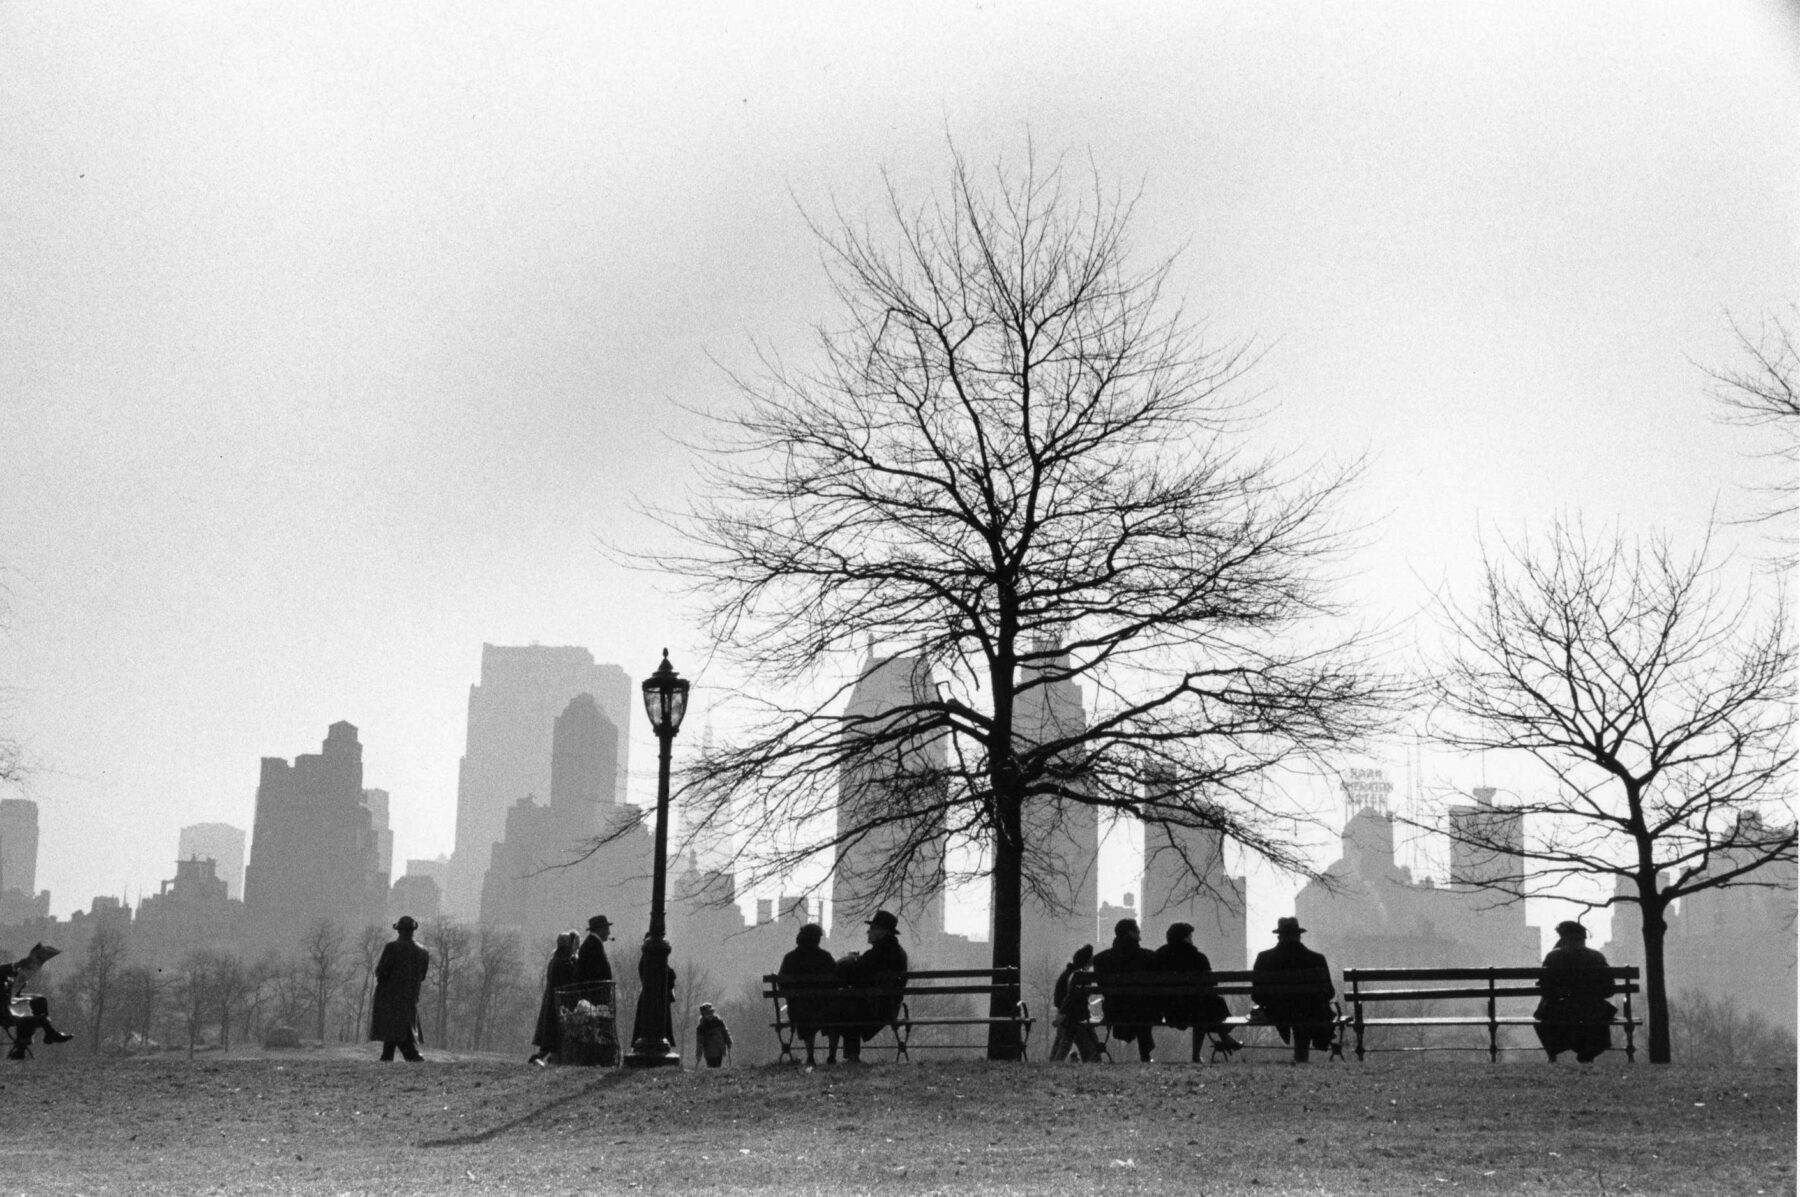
[(336, 1122)]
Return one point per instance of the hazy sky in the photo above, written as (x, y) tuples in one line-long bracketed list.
[(334, 336)]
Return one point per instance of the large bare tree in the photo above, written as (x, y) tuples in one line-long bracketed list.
[(1017, 463), (1661, 709)]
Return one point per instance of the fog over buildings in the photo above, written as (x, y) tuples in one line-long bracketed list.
[(508, 753)]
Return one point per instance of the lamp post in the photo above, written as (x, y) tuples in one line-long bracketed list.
[(652, 1034)]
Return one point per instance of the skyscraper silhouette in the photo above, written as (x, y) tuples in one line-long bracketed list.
[(507, 752)]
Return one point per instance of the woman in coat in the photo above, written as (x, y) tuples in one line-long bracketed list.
[(559, 972)]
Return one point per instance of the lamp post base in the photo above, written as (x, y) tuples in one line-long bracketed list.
[(644, 1055)]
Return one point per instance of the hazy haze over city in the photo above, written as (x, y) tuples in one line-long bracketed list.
[(335, 338)]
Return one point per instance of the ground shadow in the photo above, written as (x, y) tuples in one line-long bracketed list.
[(610, 1078)]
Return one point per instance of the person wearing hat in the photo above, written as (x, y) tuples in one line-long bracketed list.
[(712, 1038), (592, 964), (881, 973), (1205, 1008), (13, 979), (808, 974), (1130, 1015), (1292, 983), (399, 976), (1574, 1015)]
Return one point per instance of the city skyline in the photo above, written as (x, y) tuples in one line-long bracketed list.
[(340, 342)]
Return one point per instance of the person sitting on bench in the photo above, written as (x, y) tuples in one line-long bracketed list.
[(1574, 1015), (35, 1015), (1131, 1015), (1303, 1016), (1179, 955)]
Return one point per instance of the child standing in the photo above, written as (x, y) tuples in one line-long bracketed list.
[(712, 1038)]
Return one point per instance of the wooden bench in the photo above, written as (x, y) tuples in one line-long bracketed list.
[(922, 987), (1170, 989), (1369, 986)]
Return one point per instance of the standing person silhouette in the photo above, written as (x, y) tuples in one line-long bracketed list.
[(399, 976)]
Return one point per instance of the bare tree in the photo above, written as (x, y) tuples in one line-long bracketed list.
[(366, 956), (450, 944), (1020, 466), (140, 991), (1721, 1031), (196, 992), (322, 958), (1661, 709), (494, 974), (233, 983), (96, 981), (1763, 393)]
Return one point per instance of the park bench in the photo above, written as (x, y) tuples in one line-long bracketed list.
[(923, 989), (1170, 989), (1368, 987)]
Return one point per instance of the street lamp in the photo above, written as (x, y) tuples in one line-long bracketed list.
[(652, 1033)]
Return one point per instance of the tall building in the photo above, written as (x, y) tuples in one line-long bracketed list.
[(508, 752), (1370, 913), (20, 901), (224, 845), (1062, 836), (1497, 854), (18, 845), (860, 882), (551, 869), (376, 802), (1185, 882), (314, 851), (191, 912)]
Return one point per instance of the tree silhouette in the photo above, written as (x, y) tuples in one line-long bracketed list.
[(1018, 465), (1661, 709)]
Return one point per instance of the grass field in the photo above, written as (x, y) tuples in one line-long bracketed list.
[(339, 1123)]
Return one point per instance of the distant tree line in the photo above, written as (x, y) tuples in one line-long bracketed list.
[(481, 994)]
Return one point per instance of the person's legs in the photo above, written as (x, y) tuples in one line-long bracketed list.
[(409, 1050), (1146, 1045), (809, 1038), (387, 1051), (714, 1061)]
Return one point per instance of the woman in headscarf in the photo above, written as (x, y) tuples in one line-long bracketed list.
[(559, 972)]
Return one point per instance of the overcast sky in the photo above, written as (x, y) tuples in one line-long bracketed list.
[(334, 336)]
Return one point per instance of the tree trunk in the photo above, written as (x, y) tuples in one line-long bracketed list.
[(1656, 986), (1008, 892)]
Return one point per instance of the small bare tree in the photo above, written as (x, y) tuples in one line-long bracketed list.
[(97, 980), (195, 992), (450, 944), (233, 982), (322, 956), (1661, 709), (1019, 466), (365, 957), (495, 966)]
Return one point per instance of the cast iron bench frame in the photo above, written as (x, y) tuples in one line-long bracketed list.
[(1368, 986), (986, 982)]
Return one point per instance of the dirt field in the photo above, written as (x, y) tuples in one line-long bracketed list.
[(339, 1123)]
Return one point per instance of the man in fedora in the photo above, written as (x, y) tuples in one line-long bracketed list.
[(881, 973), (399, 976), (591, 963), (1574, 1015), (1292, 983)]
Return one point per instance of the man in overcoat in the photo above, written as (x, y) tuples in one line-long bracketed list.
[(399, 976), (881, 968), (1292, 983), (1574, 1015), (591, 963), (1129, 1014)]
